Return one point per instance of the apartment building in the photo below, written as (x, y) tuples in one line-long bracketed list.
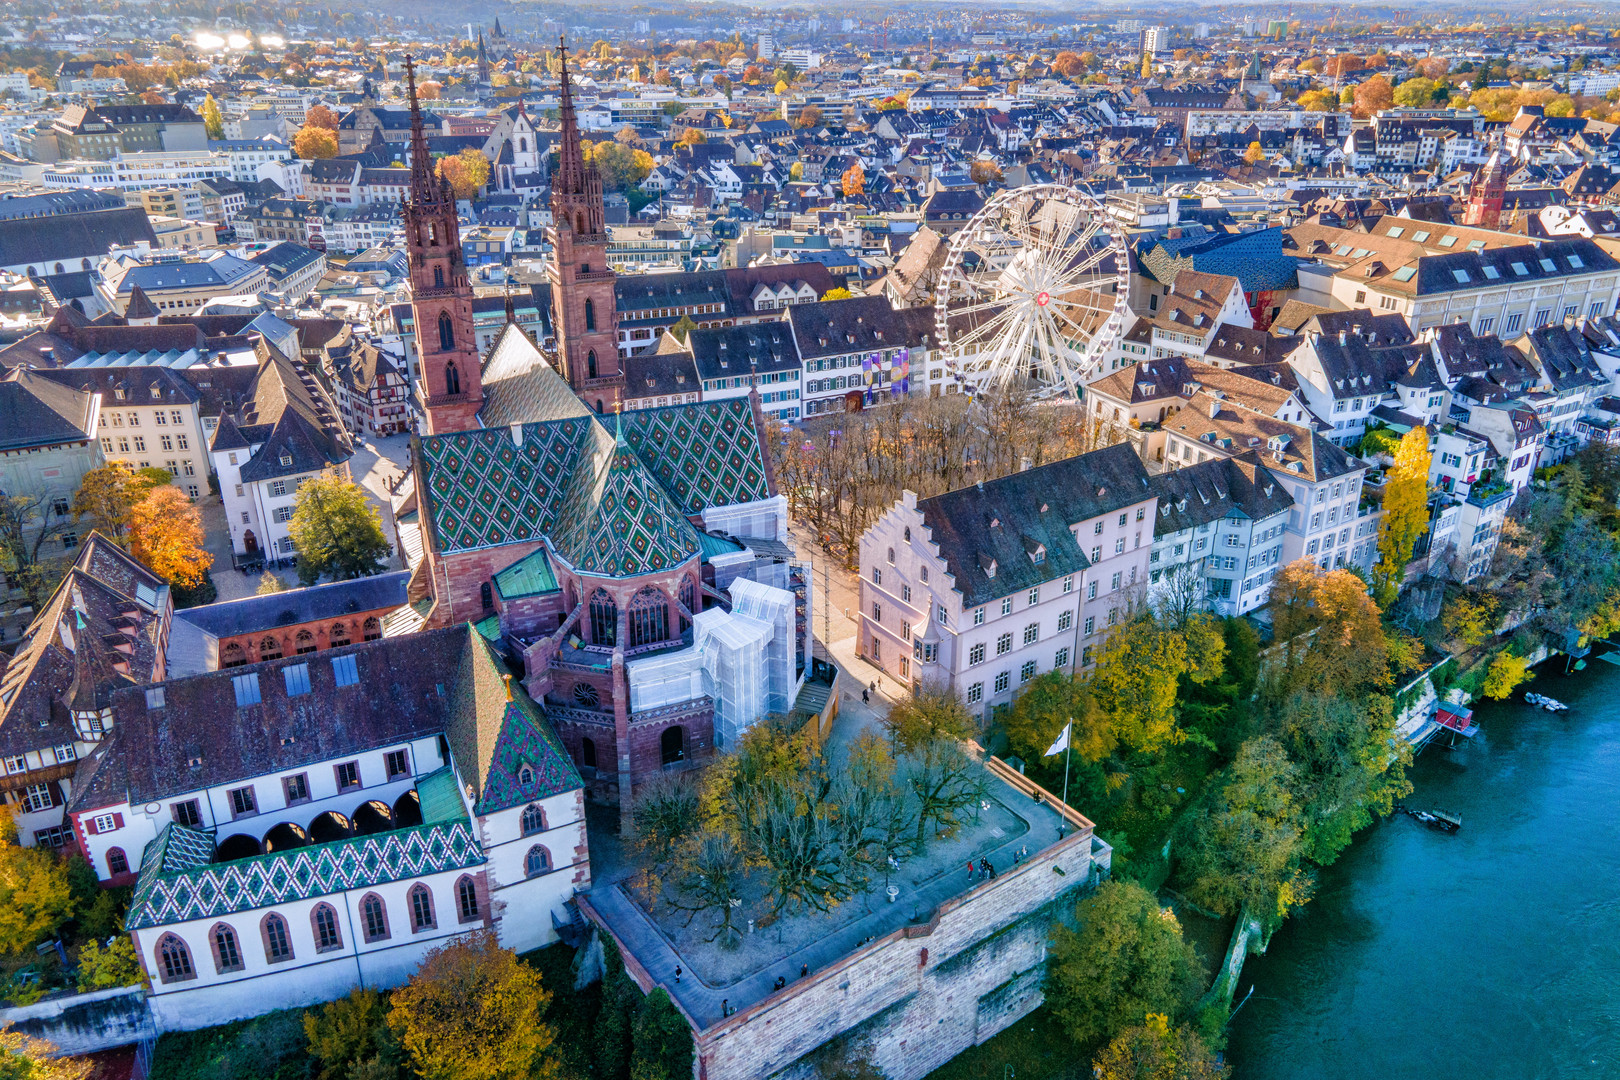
[(149, 418), (1218, 536)]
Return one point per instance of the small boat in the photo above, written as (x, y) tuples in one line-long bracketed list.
[(1542, 701), (1434, 819)]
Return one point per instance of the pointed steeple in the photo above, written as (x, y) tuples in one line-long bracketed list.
[(424, 188), (570, 178)]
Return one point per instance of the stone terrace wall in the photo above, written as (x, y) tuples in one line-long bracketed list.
[(915, 999), (86, 1023)]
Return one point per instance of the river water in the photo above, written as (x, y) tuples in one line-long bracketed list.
[(1492, 952)]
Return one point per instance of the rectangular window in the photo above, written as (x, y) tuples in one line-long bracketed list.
[(297, 679), (1068, 584), (1119, 546), (344, 670), (187, 813), (1091, 624), (975, 693), (1061, 660), (1002, 682), (37, 797), (877, 576), (877, 611), (1091, 590), (278, 487), (282, 514), (1027, 672), (1065, 620), (399, 763), (1006, 605), (1032, 633), (905, 594), (976, 654), (1003, 644), (247, 689), (978, 616), (1035, 595), (348, 775), (1117, 578), (296, 788), (242, 802)]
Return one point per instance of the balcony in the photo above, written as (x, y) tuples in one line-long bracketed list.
[(1488, 495)]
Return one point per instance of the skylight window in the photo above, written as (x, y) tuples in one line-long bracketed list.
[(1361, 253), (1395, 233), (1476, 245), (1406, 273), (1460, 275), (1519, 268), (1420, 237), (1575, 262), (297, 679), (1491, 272), (1448, 241), (1548, 265), (343, 668), (247, 689)]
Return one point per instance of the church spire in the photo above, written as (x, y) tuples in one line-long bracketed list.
[(570, 178), (425, 189)]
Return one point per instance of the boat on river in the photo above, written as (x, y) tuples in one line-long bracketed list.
[(1542, 701), (1442, 820)]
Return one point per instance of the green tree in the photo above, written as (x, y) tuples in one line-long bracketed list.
[(1242, 850), (1153, 1050), (1347, 770), (1139, 669), (1415, 93), (472, 1011), (622, 167), (1406, 514), (683, 328), (116, 965), (23, 1057), (213, 119), (928, 714), (336, 530), (352, 1031), (1126, 960), (36, 895), (661, 1041)]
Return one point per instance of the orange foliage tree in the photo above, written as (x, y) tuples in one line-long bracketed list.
[(322, 117), (1373, 95), (315, 144), (467, 172), (166, 533), (854, 181), (1329, 630)]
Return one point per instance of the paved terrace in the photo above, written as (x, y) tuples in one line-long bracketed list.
[(748, 974)]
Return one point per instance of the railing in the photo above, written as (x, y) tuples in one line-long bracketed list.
[(579, 716), (692, 708)]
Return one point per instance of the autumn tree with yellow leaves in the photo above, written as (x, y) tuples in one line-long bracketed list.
[(1406, 514), (166, 533)]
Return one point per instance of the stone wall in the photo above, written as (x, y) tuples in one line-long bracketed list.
[(86, 1023), (913, 1000)]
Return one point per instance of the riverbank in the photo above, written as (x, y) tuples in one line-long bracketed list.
[(1493, 952)]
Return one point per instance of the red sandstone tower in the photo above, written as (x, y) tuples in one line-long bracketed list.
[(450, 391), (582, 302), (1486, 195)]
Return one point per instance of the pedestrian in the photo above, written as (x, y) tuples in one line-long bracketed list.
[(989, 865), (804, 971), (781, 981), (866, 698), (725, 1006), (970, 870), (677, 973)]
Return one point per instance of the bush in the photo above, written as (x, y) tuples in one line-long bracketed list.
[(268, 1047), (116, 965)]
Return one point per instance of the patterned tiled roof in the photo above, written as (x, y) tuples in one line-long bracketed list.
[(607, 509), (165, 895)]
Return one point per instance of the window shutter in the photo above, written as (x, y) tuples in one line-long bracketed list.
[(118, 821), (90, 825), (56, 793)]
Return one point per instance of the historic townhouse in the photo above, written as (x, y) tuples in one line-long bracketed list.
[(983, 588), (1218, 536), (105, 627), (297, 828)]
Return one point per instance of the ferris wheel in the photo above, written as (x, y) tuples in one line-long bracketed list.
[(1034, 288)]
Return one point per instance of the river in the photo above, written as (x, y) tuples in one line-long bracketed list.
[(1493, 952)]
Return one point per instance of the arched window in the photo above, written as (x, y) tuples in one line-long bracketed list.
[(579, 222), (672, 744), (270, 649), (324, 922), (227, 957), (688, 599), (433, 233), (534, 819), (84, 264), (599, 409), (277, 942), (486, 595), (117, 861), (438, 277), (452, 379), (587, 754), (590, 314), (537, 861), (373, 918), (304, 642), (232, 655), (590, 364), (422, 910), (174, 960), (649, 617), (58, 268), (523, 148), (339, 635), (604, 619), (447, 332), (467, 899), (373, 629)]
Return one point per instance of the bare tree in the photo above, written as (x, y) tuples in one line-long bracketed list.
[(27, 523), (1180, 591), (711, 881), (945, 781)]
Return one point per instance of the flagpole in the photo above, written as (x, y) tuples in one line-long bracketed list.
[(1068, 737)]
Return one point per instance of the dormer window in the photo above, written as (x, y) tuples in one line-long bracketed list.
[(286, 458)]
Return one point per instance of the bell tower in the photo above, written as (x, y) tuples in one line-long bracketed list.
[(449, 391), (582, 300)]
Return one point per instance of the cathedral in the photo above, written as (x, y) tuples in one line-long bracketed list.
[(634, 563)]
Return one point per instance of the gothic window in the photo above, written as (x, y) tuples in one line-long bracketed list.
[(523, 146), (438, 277), (579, 222), (422, 910), (590, 314), (269, 649), (486, 595), (277, 942), (467, 899), (452, 379), (688, 600), (604, 619), (649, 618), (447, 333), (339, 635), (324, 919), (174, 960), (534, 819), (590, 359), (227, 957), (537, 861), (373, 917)]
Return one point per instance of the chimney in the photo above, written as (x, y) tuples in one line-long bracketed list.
[(1342, 338), (1025, 464), (1214, 407)]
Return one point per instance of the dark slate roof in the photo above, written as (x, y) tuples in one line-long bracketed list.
[(285, 258), (520, 385), (834, 327), (998, 524), (34, 411), (730, 351), (1546, 261), (68, 238), (255, 613), (1215, 489), (291, 416), (108, 610), (660, 372)]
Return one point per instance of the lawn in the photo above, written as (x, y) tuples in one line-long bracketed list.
[(1034, 1048)]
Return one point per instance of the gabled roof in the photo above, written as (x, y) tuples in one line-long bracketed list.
[(35, 411), (989, 534), (1211, 490)]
